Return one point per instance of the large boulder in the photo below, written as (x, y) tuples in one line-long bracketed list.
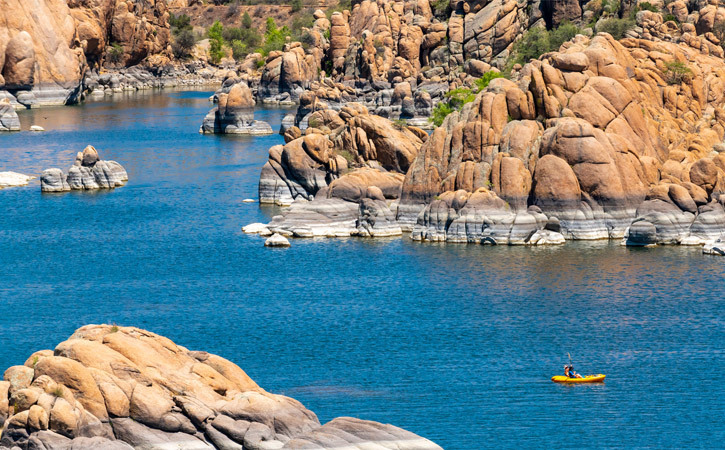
[(234, 113), (115, 388)]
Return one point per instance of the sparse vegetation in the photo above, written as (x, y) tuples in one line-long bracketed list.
[(57, 392), (115, 53), (35, 360), (440, 9), (114, 329), (399, 124), (457, 98), (677, 72), (616, 27), (538, 41), (183, 43)]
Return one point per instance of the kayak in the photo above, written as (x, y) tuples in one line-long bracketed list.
[(599, 378)]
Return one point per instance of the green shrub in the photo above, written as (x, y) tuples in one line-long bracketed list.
[(482, 83), (239, 50), (670, 17), (538, 41), (440, 112), (457, 98), (296, 5), (183, 43), (274, 38), (616, 27), (179, 23), (647, 6), (246, 20), (440, 8), (115, 53), (676, 72)]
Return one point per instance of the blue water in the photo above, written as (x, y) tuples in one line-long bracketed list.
[(453, 342)]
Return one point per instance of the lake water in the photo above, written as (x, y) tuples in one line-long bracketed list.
[(453, 342)]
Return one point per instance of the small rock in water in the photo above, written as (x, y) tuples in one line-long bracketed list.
[(37, 128), (257, 228), (716, 247), (11, 179), (248, 200), (276, 240)]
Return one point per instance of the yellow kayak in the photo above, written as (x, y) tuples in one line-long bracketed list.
[(599, 378)]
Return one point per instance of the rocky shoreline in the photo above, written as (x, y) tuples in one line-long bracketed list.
[(119, 388)]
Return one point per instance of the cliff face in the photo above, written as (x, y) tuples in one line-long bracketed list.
[(39, 54), (602, 139), (46, 46), (122, 387), (597, 135)]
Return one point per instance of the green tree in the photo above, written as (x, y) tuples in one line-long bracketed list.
[(216, 42), (246, 20), (296, 5)]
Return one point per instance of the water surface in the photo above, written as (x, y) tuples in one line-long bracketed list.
[(453, 342)]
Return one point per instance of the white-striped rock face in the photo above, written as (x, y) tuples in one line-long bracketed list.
[(87, 172), (122, 387)]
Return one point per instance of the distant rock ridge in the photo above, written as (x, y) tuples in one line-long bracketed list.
[(88, 172), (119, 388)]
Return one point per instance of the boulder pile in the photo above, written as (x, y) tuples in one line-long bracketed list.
[(87, 172), (234, 113), (122, 387), (602, 139)]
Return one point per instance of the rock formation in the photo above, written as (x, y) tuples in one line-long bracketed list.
[(123, 387), (594, 136), (9, 120), (87, 172), (46, 46), (603, 139), (345, 173), (12, 179), (234, 113)]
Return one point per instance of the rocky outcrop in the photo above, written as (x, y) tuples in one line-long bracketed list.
[(40, 61), (123, 387), (599, 140), (594, 136), (342, 177), (287, 74), (47, 46), (87, 172), (9, 120), (234, 113)]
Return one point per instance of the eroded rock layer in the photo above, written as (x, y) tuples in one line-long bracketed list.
[(122, 387), (589, 140)]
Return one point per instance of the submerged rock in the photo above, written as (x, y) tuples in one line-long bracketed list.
[(122, 387), (12, 179), (87, 172)]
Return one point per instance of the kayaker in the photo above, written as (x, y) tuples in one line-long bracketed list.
[(569, 372)]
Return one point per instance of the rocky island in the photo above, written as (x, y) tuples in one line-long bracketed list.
[(117, 387), (88, 172)]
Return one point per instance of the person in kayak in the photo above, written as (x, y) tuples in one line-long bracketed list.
[(569, 372)]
